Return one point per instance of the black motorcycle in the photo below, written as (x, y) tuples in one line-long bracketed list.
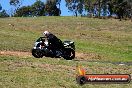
[(41, 48)]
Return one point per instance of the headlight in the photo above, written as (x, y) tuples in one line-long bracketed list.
[(36, 43)]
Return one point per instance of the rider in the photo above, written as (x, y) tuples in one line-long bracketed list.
[(54, 42)]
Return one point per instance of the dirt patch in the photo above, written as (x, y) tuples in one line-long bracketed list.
[(84, 56), (16, 53)]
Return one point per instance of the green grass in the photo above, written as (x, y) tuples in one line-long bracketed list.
[(17, 72), (108, 40), (111, 39)]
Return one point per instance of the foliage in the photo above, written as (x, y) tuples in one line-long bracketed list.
[(23, 11), (14, 2), (94, 8), (38, 8), (51, 8), (76, 6), (0, 7), (3, 14), (119, 7)]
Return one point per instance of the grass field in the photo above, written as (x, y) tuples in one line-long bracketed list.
[(110, 39), (98, 39), (18, 72)]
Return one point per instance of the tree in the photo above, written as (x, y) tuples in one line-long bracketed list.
[(130, 8), (110, 7), (23, 12), (0, 7), (51, 8), (89, 6), (119, 8), (3, 14), (38, 8), (58, 3), (16, 4), (76, 6)]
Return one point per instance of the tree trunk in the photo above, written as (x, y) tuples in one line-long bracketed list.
[(99, 8), (131, 16), (59, 10), (131, 9), (76, 13)]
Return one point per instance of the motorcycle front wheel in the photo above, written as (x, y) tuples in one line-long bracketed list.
[(37, 53)]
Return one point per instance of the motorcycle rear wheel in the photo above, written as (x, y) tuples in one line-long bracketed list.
[(69, 54)]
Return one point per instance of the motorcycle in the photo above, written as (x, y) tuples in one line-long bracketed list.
[(41, 48)]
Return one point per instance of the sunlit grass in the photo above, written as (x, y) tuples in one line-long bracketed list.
[(111, 39), (54, 73)]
